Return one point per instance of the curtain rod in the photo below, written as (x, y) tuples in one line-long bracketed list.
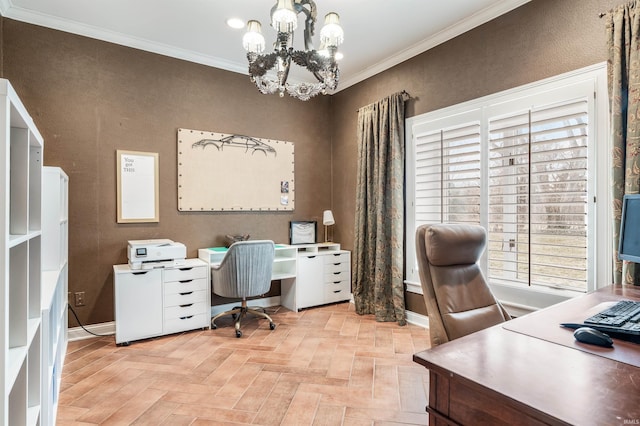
[(405, 97)]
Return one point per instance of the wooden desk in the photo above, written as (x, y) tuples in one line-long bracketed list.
[(499, 376)]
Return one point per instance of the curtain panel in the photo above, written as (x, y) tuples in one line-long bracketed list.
[(378, 286), (623, 73)]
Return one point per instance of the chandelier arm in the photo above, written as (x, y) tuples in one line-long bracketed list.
[(283, 73), (261, 64), (310, 20)]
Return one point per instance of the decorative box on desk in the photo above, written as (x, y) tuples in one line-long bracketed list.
[(310, 274), (155, 302)]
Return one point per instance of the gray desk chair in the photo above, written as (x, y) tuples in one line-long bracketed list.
[(245, 271), (458, 298)]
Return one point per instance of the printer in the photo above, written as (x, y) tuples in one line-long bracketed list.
[(150, 254)]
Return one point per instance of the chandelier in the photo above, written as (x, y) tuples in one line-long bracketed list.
[(321, 63)]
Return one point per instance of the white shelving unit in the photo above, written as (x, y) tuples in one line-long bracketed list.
[(55, 230), (20, 314)]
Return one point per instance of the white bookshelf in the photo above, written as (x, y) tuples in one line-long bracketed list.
[(55, 230), (20, 295)]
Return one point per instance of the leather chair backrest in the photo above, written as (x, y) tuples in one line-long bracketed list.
[(458, 298)]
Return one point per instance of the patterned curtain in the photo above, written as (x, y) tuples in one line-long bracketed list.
[(623, 69), (378, 286)]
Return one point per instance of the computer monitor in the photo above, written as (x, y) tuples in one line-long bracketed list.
[(629, 245)]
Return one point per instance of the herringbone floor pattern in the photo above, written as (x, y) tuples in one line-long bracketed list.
[(321, 366)]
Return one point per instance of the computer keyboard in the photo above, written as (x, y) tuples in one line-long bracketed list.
[(623, 318)]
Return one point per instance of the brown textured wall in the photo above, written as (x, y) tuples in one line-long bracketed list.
[(538, 40), (89, 98)]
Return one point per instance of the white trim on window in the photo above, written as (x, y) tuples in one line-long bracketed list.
[(584, 91)]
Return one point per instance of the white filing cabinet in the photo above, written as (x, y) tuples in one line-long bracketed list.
[(161, 301), (323, 277)]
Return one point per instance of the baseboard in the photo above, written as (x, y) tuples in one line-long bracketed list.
[(109, 328), (103, 329), (417, 319)]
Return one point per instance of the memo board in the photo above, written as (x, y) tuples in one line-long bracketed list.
[(225, 172)]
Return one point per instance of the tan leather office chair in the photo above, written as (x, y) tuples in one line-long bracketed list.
[(458, 298), (245, 271)]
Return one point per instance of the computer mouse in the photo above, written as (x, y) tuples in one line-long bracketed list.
[(593, 337)]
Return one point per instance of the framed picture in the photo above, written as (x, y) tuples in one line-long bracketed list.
[(302, 232), (137, 182)]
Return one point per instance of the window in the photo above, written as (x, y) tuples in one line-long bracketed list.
[(527, 165)]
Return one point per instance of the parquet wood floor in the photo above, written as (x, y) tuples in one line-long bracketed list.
[(321, 366)]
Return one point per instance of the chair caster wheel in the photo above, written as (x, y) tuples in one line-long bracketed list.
[(213, 326), (234, 316), (272, 326), (238, 333)]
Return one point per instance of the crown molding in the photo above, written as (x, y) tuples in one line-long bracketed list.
[(8, 10), (73, 27), (4, 6), (461, 27)]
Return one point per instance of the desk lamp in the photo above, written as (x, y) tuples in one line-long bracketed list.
[(327, 220)]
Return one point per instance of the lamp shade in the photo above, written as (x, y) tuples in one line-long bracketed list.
[(327, 218)]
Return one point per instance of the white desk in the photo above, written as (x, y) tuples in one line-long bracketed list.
[(321, 279)]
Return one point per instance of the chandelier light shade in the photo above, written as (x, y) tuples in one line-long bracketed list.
[(253, 40), (284, 18), (321, 64)]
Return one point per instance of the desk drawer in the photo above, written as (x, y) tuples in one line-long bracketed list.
[(188, 309), (336, 267), (330, 277), (185, 298), (187, 322), (186, 273), (177, 287), (336, 291), (341, 257)]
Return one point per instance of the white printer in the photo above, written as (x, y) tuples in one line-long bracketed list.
[(149, 254)]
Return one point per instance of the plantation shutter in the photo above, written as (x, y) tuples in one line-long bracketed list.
[(447, 177), (538, 196)]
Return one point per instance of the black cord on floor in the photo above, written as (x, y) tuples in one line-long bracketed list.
[(83, 327)]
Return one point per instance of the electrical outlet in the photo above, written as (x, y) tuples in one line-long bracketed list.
[(79, 298)]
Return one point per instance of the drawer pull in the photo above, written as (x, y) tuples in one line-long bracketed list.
[(184, 318), (140, 273), (186, 293), (337, 282), (337, 254), (337, 273), (338, 264), (337, 291), (186, 305), (311, 257), (185, 281), (186, 269)]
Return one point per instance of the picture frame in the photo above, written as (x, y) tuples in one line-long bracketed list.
[(137, 187), (302, 232)]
